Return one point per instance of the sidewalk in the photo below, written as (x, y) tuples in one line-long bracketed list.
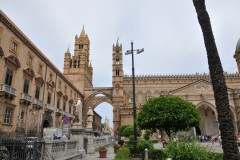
[(95, 156)]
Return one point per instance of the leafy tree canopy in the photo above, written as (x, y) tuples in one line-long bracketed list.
[(128, 131), (170, 113), (121, 128)]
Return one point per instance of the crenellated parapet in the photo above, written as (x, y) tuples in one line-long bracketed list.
[(180, 76)]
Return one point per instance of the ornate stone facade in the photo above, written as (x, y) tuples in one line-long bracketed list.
[(35, 94)]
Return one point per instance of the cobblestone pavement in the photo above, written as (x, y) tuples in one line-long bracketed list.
[(95, 156)]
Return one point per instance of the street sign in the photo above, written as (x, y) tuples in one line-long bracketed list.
[(65, 120)]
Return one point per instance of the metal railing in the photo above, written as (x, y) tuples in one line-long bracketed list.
[(37, 102), (59, 110), (8, 89), (16, 149), (49, 107), (71, 115), (65, 113), (26, 97)]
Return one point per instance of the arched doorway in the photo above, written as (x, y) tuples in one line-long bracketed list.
[(105, 110), (46, 124), (208, 124), (100, 102)]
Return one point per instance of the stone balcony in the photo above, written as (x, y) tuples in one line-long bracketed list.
[(65, 113), (71, 116), (59, 112), (37, 103), (49, 108), (7, 91), (25, 99)]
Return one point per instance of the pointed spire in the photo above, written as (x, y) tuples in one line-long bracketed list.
[(68, 49), (117, 44), (90, 64), (83, 33)]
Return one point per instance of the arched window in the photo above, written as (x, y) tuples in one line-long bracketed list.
[(117, 72), (117, 60)]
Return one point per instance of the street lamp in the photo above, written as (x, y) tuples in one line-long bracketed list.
[(134, 101)]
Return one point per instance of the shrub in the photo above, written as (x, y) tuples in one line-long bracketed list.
[(215, 156), (157, 154), (142, 145), (102, 148), (116, 146), (147, 134), (187, 151), (154, 141), (121, 142), (121, 129), (131, 139), (123, 154), (129, 130)]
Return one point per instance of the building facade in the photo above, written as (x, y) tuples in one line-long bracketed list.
[(34, 94)]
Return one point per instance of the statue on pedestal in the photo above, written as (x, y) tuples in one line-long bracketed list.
[(78, 106), (107, 128), (90, 118)]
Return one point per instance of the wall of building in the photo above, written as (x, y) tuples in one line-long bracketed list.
[(195, 88), (26, 113)]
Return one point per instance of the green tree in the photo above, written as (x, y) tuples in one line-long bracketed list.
[(225, 117), (121, 129), (170, 113), (129, 130), (147, 134)]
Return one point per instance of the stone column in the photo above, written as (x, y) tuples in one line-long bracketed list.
[(90, 146), (77, 133)]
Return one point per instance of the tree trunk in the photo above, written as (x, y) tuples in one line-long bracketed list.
[(225, 117)]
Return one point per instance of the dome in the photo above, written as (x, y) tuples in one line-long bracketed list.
[(238, 45)]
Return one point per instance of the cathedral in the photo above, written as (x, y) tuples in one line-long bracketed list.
[(34, 94)]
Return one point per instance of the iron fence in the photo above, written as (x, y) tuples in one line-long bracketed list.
[(21, 149)]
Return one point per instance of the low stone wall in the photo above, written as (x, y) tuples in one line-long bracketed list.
[(62, 149), (102, 141)]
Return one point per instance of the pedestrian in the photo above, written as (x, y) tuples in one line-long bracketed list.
[(213, 140), (220, 140)]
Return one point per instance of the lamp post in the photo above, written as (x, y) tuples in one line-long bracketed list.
[(134, 100)]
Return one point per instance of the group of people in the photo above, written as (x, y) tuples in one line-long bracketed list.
[(209, 138)]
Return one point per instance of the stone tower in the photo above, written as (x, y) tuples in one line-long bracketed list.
[(77, 68), (237, 55), (117, 84)]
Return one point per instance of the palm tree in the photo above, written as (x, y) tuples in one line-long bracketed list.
[(225, 117)]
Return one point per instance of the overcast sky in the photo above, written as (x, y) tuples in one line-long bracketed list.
[(168, 31)]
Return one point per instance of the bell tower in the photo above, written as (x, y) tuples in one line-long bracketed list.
[(117, 84), (237, 55), (77, 68)]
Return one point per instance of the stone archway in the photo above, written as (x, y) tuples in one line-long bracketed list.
[(93, 100), (209, 123), (46, 124), (105, 110)]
